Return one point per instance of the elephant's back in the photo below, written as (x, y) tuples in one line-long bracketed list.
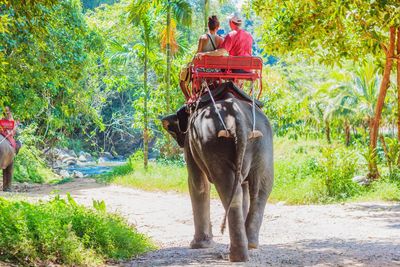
[(6, 153)]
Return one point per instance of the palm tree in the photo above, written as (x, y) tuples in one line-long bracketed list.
[(360, 95), (139, 14), (176, 11), (354, 99)]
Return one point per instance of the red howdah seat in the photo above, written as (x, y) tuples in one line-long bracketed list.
[(6, 125), (224, 68)]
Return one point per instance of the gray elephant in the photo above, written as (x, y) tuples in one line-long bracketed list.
[(7, 154), (241, 168)]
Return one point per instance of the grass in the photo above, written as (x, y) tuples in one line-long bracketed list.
[(158, 176), (384, 190), (306, 172), (63, 232)]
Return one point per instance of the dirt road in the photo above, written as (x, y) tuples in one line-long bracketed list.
[(362, 234)]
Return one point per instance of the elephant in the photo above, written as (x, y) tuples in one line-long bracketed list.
[(7, 154), (237, 162)]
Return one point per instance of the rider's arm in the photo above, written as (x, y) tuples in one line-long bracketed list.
[(200, 46), (218, 52), (221, 51)]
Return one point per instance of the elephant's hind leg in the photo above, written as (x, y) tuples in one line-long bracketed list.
[(258, 201), (246, 199), (7, 177), (237, 233)]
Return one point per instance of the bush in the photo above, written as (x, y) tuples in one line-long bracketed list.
[(29, 165), (63, 232), (310, 172), (338, 167)]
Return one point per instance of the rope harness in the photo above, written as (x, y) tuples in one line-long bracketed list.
[(225, 133)]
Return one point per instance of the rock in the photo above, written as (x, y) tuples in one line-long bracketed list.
[(102, 160), (82, 158), (77, 174), (64, 174), (69, 161), (57, 164), (361, 180), (72, 153), (106, 155)]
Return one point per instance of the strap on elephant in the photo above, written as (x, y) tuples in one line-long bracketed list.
[(222, 133), (254, 133), (205, 99)]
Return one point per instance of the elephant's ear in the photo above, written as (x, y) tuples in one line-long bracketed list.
[(183, 118), (171, 124)]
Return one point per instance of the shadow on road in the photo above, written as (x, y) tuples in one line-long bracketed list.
[(330, 252), (387, 212), (40, 190)]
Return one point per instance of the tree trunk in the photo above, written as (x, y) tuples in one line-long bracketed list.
[(206, 12), (168, 48), (145, 113), (398, 89), (328, 132), (347, 132), (373, 168), (168, 75)]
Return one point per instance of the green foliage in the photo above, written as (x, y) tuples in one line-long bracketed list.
[(63, 232), (331, 30), (45, 54), (29, 165), (383, 189), (91, 4), (338, 166), (392, 153), (312, 172)]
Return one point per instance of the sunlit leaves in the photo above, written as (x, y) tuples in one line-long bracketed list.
[(330, 30)]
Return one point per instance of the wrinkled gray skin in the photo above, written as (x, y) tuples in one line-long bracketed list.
[(7, 155), (212, 159)]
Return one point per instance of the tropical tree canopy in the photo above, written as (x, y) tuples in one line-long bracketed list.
[(330, 30)]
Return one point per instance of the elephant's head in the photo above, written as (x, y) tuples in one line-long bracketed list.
[(176, 125)]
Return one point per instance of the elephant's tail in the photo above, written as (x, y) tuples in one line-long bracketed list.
[(240, 143)]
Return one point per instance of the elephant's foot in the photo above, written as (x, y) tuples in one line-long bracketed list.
[(253, 245), (204, 242), (238, 254)]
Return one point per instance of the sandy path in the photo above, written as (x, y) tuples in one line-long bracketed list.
[(362, 234)]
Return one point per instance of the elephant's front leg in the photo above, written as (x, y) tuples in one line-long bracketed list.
[(199, 189)]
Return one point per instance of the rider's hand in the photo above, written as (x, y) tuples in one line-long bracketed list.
[(199, 55)]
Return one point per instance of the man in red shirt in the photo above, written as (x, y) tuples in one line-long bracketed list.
[(237, 43)]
